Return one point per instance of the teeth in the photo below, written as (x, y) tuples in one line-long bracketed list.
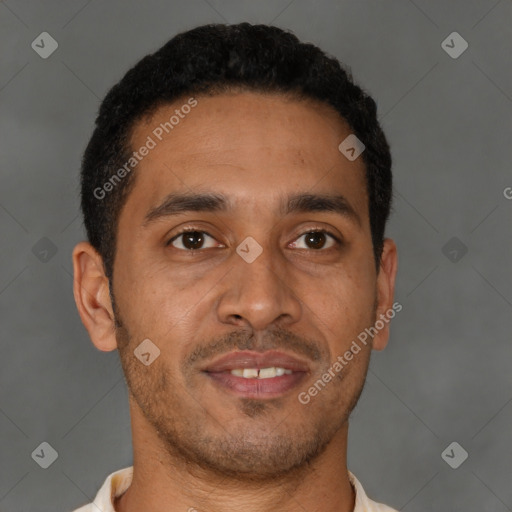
[(263, 373), (267, 373)]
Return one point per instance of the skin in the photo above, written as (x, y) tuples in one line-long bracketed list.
[(195, 445)]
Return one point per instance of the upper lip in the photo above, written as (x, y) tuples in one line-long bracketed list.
[(248, 359)]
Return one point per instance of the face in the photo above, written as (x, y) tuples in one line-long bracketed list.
[(263, 278)]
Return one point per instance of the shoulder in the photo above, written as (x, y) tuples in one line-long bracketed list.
[(363, 503), (114, 485)]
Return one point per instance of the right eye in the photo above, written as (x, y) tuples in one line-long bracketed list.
[(191, 239)]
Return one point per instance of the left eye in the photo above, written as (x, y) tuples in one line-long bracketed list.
[(316, 238), (194, 240)]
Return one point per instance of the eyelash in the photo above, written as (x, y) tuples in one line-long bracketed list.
[(192, 229)]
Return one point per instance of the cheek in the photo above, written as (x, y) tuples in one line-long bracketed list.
[(146, 298), (165, 305), (344, 302)]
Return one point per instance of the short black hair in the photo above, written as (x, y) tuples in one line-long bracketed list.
[(212, 59)]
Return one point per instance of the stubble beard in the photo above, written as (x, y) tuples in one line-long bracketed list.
[(193, 439)]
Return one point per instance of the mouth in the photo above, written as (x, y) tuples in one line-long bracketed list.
[(257, 375)]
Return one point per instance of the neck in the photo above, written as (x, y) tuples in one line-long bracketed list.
[(160, 481)]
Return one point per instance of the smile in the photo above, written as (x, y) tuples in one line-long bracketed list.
[(263, 373), (258, 375)]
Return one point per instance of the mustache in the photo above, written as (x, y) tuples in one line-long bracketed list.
[(244, 340)]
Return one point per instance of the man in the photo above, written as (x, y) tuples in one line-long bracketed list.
[(235, 193)]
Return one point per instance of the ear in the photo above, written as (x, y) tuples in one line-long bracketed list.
[(385, 292), (92, 296)]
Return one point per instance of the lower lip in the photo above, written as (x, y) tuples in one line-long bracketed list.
[(257, 388)]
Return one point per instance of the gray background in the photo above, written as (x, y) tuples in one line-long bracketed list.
[(445, 375)]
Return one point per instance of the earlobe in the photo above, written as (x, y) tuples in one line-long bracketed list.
[(92, 296), (385, 293)]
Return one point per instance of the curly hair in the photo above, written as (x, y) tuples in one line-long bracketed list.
[(212, 59)]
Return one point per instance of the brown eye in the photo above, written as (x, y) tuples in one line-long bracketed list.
[(190, 240), (316, 240)]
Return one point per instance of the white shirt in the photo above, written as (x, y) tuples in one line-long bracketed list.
[(119, 481)]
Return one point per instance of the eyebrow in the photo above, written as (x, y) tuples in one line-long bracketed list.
[(180, 203)]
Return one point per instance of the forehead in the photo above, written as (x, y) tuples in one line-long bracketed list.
[(251, 147)]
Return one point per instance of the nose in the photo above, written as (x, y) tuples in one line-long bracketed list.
[(259, 294)]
